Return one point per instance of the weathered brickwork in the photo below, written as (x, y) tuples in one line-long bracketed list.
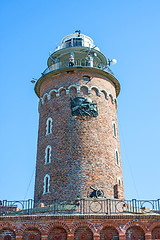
[(31, 233), (57, 233), (83, 233), (109, 233), (83, 148), (135, 233), (88, 227), (7, 234)]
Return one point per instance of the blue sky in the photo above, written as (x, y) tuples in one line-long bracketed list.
[(126, 30)]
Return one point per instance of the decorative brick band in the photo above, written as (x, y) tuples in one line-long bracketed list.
[(119, 226), (109, 224), (83, 224), (57, 93), (31, 225), (154, 225), (135, 224), (9, 226), (59, 224)]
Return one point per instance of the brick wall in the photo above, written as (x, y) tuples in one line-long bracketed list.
[(83, 233), (69, 227), (7, 234), (31, 234), (83, 148), (57, 233)]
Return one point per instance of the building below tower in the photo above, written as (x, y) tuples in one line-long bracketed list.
[(80, 227)]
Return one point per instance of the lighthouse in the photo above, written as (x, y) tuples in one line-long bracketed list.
[(79, 183), (78, 152)]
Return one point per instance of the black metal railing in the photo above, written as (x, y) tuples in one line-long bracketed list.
[(80, 206), (78, 63)]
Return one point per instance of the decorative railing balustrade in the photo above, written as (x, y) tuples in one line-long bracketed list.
[(80, 206), (77, 63)]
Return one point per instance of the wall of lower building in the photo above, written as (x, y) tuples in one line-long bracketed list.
[(80, 227)]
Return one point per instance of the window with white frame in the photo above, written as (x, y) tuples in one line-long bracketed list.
[(117, 157), (46, 184), (114, 130), (48, 154), (49, 126)]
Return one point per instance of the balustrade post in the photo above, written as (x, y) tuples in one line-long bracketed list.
[(18, 237), (158, 200), (70, 237), (148, 235), (44, 237), (134, 205), (122, 236), (96, 236)]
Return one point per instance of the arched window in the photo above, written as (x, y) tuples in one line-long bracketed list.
[(7, 237), (48, 154), (46, 184), (117, 158), (49, 126), (32, 237), (114, 130)]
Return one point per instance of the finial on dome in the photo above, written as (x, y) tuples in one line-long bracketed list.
[(78, 31)]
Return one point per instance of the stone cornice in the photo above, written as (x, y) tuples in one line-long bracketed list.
[(76, 69), (135, 217)]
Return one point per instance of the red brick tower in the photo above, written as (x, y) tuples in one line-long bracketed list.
[(78, 142)]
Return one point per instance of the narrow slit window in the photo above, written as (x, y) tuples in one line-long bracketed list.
[(46, 183), (114, 130), (49, 126), (48, 154), (117, 158)]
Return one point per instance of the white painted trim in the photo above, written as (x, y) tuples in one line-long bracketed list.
[(85, 86), (46, 154), (72, 86), (59, 90), (99, 93), (47, 123), (105, 93), (114, 129), (50, 93), (46, 94), (117, 162), (78, 88), (112, 98)]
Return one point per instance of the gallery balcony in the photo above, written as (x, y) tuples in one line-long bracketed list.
[(99, 206), (77, 63)]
